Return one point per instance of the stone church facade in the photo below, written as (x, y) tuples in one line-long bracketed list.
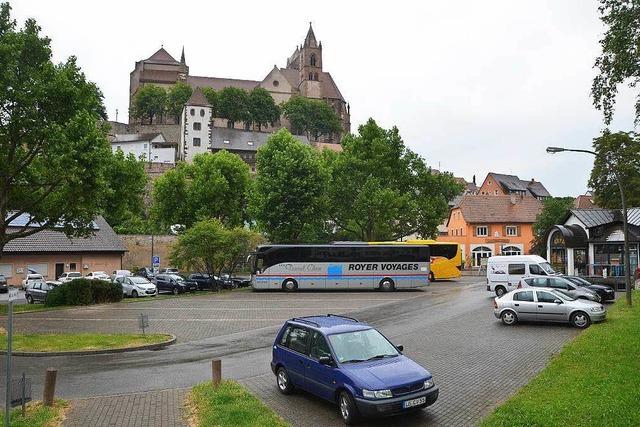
[(303, 75)]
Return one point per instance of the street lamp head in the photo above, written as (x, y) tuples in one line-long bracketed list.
[(553, 150)]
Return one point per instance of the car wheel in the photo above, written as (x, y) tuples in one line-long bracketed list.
[(290, 285), (29, 299), (509, 318), (175, 291), (282, 380), (500, 290), (347, 408), (134, 293), (580, 320), (387, 285)]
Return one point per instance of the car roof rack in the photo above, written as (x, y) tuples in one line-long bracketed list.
[(303, 320), (343, 317)]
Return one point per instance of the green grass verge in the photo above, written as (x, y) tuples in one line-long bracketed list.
[(79, 342), (26, 308), (595, 380), (228, 405), (37, 415)]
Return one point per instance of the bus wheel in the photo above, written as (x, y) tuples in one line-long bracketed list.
[(290, 285), (387, 285), (432, 278)]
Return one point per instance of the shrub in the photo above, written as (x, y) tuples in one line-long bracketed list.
[(84, 292)]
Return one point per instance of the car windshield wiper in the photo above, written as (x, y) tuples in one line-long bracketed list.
[(380, 356), (354, 361)]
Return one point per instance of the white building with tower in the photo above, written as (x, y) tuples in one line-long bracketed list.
[(150, 147)]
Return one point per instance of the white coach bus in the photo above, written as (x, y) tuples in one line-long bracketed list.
[(340, 266)]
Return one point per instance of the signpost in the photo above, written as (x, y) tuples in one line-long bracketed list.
[(143, 322), (13, 295)]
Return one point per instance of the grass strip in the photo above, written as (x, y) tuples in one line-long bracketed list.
[(78, 342), (594, 380), (38, 415), (230, 405)]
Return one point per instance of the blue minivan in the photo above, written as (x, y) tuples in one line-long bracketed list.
[(352, 364)]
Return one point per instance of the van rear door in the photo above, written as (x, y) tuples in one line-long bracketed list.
[(516, 271)]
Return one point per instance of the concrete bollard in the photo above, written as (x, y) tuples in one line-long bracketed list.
[(216, 372), (49, 387)]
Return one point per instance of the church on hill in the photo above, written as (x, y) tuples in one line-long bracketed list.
[(303, 75)]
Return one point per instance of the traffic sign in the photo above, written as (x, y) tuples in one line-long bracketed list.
[(155, 260), (13, 294)]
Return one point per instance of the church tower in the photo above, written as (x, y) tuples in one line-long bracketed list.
[(311, 66)]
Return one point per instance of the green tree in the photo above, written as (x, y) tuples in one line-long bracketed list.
[(381, 190), (288, 198), (212, 97), (52, 150), (208, 247), (311, 117), (127, 182), (149, 102), (617, 156), (619, 59), (262, 108), (554, 209), (213, 186), (177, 96), (233, 104)]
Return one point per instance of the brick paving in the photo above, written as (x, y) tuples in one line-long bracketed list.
[(162, 408)]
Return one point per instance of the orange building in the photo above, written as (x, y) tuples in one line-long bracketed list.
[(486, 225), (496, 184)]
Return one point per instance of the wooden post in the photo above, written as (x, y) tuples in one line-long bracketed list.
[(49, 386), (216, 372)]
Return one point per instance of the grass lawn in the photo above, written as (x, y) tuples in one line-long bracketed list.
[(595, 380), (78, 342), (37, 415), (26, 308), (228, 405)]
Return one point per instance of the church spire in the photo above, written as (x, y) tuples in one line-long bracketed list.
[(182, 61), (310, 40)]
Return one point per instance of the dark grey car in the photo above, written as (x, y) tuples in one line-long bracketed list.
[(3, 284), (37, 292), (561, 284)]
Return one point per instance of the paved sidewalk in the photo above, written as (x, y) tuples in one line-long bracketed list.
[(161, 408)]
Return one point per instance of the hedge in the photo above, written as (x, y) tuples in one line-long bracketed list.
[(84, 292)]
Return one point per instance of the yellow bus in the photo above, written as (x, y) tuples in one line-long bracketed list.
[(446, 257)]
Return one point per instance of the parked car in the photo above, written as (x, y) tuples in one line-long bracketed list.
[(547, 305), (31, 278), (606, 292), (241, 282), (174, 283), (37, 292), (53, 283), (69, 276), (134, 286), (227, 282), (352, 364), (169, 270), (505, 272), (206, 281), (3, 284), (145, 272), (118, 274), (561, 284), (97, 275)]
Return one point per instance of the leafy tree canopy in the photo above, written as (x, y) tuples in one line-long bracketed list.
[(311, 117), (177, 96), (51, 149), (618, 155), (554, 209), (150, 101), (288, 199), (233, 104), (619, 59), (262, 108)]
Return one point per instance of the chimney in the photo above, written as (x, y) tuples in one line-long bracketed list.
[(474, 179)]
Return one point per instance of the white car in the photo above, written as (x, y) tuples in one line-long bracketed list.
[(31, 279), (98, 275), (69, 276), (135, 286)]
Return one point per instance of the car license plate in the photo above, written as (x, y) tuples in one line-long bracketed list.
[(414, 402)]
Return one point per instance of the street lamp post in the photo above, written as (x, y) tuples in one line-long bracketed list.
[(625, 225)]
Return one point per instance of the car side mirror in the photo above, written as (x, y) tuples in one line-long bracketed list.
[(400, 348), (325, 360), (557, 301)]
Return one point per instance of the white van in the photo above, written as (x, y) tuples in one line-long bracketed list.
[(505, 272)]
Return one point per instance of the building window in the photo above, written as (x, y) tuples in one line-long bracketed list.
[(72, 266), (512, 250), (249, 142), (192, 112), (482, 231), (511, 230), (495, 192), (118, 147), (145, 146), (197, 126), (196, 142), (201, 112), (479, 253), (312, 60), (310, 76), (226, 141), (315, 76), (276, 83)]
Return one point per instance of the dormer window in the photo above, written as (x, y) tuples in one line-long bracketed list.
[(312, 60)]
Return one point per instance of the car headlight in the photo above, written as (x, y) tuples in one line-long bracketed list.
[(597, 308), (429, 383), (376, 394)]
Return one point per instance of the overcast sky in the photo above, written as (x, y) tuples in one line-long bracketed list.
[(473, 86)]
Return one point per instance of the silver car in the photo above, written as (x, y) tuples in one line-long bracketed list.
[(561, 284), (546, 305)]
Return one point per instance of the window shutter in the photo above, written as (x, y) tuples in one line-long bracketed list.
[(475, 230), (518, 231), (504, 231)]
